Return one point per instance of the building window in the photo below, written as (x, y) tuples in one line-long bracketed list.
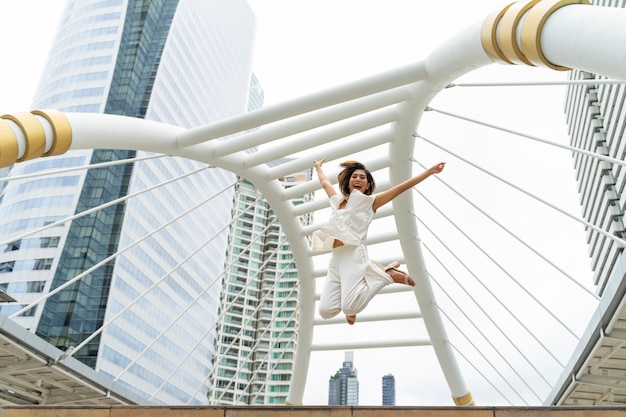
[(49, 242), (42, 264), (30, 312), (13, 246), (6, 267), (35, 286)]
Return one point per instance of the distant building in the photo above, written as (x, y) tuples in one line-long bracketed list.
[(389, 390), (258, 323), (343, 387)]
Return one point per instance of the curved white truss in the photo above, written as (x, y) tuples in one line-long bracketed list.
[(382, 110)]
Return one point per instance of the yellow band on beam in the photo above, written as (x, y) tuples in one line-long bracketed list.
[(61, 129), (507, 31), (35, 136), (8, 145), (465, 400), (533, 26), (489, 36)]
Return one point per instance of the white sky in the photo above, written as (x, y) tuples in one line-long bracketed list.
[(306, 45)]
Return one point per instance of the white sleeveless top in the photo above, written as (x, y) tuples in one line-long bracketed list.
[(349, 225)]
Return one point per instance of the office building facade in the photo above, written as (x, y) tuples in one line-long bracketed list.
[(258, 322), (343, 387), (150, 262), (389, 390), (595, 118)]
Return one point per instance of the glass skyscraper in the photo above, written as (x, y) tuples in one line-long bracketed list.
[(389, 390), (343, 387), (150, 264)]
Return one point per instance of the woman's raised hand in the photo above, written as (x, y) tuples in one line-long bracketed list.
[(318, 164), (436, 169)]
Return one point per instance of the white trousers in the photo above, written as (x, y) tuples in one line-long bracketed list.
[(352, 281)]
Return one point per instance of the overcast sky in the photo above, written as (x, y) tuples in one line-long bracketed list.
[(303, 46)]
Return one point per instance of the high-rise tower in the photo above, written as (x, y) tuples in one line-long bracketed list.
[(343, 387), (259, 311), (169, 61), (595, 119), (389, 390)]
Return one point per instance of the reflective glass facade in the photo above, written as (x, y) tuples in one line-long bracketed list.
[(175, 62)]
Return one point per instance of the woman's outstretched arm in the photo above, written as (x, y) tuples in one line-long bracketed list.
[(326, 184), (386, 196)]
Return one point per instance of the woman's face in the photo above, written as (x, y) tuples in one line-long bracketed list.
[(358, 181)]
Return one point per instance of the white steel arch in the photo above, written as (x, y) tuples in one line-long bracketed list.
[(382, 110)]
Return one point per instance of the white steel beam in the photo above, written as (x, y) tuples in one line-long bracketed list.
[(374, 344)]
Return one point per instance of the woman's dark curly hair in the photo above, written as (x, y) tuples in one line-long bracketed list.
[(344, 177)]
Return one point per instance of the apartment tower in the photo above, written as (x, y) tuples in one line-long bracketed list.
[(258, 320)]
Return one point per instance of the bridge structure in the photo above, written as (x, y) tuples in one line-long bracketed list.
[(381, 113)]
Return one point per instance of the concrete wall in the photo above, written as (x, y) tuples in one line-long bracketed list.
[(181, 411)]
